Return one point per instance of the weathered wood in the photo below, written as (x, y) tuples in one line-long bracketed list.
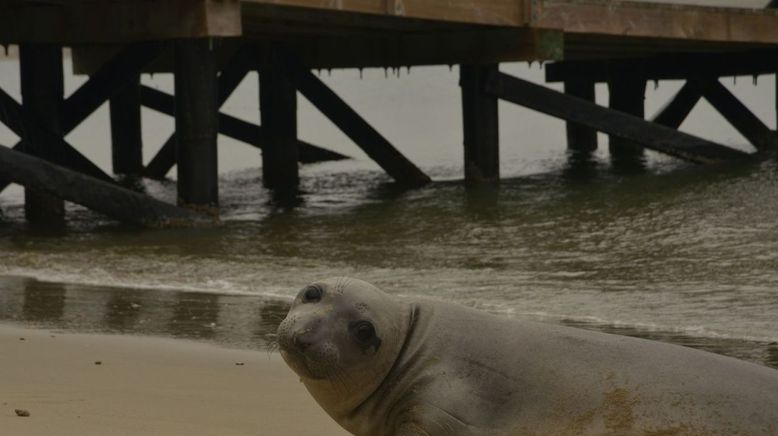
[(24, 124), (626, 19), (493, 12), (42, 86), (229, 79), (278, 112), (741, 118), (230, 126), (126, 140), (675, 112), (110, 199), (627, 94), (580, 138), (121, 70), (678, 66), (87, 21), (625, 126), (480, 125), (354, 126), (196, 93)]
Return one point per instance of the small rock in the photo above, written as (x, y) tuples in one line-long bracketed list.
[(22, 412), (98, 362), (22, 339), (239, 363)]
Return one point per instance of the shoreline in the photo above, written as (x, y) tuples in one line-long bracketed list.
[(148, 385)]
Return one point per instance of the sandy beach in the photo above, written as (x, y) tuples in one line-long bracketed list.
[(147, 386)]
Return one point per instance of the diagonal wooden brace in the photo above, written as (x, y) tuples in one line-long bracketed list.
[(631, 128), (353, 125), (20, 122)]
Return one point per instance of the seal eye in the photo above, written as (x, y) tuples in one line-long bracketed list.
[(312, 294), (364, 334)]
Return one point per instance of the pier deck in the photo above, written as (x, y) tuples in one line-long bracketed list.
[(210, 46)]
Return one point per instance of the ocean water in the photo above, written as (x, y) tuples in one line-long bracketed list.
[(677, 252)]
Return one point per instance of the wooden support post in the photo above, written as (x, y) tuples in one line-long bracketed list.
[(126, 141), (627, 94), (580, 138), (196, 123), (104, 197), (618, 124), (480, 125), (42, 96), (278, 112), (402, 170)]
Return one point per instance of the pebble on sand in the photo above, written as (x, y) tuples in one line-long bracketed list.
[(22, 412)]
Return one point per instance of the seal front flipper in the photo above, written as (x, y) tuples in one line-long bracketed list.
[(431, 420)]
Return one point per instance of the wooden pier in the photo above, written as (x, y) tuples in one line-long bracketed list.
[(210, 46)]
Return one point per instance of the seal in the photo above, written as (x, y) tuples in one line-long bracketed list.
[(386, 366)]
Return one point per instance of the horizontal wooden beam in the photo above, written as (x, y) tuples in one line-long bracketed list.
[(489, 12), (668, 67), (107, 21), (617, 124), (402, 170), (631, 19), (108, 198)]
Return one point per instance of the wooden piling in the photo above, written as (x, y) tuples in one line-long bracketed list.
[(675, 112), (42, 94), (126, 140), (580, 138), (480, 125), (627, 94), (278, 113), (196, 123)]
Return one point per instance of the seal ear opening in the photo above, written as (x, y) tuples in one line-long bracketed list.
[(364, 335)]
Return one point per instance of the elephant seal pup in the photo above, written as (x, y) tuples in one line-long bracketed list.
[(381, 365)]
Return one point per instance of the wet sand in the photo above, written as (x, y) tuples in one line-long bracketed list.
[(147, 386)]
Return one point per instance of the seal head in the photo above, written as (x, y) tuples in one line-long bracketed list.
[(342, 337)]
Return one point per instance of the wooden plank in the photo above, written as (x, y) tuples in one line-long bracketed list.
[(490, 12), (675, 112), (629, 127), (106, 21), (580, 138), (126, 138), (278, 112), (110, 199), (42, 86), (234, 128), (625, 19), (354, 126), (741, 118), (196, 93), (668, 66), (480, 125), (23, 124)]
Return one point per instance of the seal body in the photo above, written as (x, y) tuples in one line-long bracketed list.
[(381, 365)]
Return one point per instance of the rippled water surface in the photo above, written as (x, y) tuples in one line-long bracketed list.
[(677, 253)]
